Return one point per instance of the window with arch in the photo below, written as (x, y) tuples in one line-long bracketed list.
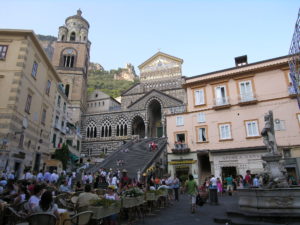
[(121, 129), (73, 36), (68, 58), (91, 130), (63, 37), (106, 129)]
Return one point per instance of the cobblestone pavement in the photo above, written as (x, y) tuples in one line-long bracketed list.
[(179, 213)]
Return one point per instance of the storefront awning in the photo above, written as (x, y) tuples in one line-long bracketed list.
[(73, 157)]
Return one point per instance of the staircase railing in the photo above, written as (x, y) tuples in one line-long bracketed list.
[(157, 154)]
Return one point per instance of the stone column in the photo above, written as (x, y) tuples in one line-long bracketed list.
[(146, 129), (163, 128)]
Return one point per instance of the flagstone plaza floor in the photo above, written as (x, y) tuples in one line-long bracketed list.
[(179, 213)]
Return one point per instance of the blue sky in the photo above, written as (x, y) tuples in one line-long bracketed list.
[(207, 35)]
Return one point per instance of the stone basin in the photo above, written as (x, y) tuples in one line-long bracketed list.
[(278, 201)]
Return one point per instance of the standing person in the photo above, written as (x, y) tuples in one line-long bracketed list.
[(124, 180), (40, 176), (169, 182), (248, 179), (229, 182), (54, 177), (192, 190), (256, 181), (213, 191), (176, 185), (90, 178), (47, 176), (219, 186)]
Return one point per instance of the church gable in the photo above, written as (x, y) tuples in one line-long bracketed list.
[(160, 66), (133, 89), (166, 100)]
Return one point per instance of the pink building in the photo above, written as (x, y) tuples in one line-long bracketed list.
[(220, 131)]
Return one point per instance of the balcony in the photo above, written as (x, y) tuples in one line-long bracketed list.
[(63, 130), (56, 126), (181, 149), (292, 92), (176, 110), (221, 103), (247, 99)]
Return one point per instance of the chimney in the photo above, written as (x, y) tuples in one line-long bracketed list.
[(241, 60)]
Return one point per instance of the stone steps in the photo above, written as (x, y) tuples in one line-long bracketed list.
[(137, 157)]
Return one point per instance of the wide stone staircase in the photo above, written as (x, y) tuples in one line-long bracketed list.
[(137, 157)]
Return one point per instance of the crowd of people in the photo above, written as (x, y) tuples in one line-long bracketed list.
[(38, 190)]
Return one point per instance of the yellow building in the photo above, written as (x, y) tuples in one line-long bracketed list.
[(28, 85)]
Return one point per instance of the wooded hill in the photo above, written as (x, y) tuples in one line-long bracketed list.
[(104, 81)]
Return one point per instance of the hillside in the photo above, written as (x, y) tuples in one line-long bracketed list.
[(104, 80), (47, 42)]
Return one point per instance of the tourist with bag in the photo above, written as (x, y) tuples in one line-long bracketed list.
[(192, 190)]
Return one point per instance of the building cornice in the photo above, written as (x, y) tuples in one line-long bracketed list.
[(240, 70), (35, 40)]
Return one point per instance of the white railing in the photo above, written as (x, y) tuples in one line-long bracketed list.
[(292, 90), (221, 101), (247, 97)]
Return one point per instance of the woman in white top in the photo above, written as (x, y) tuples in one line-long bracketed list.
[(36, 197), (112, 196), (46, 205)]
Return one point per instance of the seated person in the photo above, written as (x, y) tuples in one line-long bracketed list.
[(46, 205), (64, 187), (112, 220), (85, 197), (35, 198)]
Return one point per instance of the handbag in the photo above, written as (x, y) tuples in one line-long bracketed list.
[(199, 200)]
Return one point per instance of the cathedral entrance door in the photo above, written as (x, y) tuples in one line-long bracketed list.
[(159, 131), (154, 117)]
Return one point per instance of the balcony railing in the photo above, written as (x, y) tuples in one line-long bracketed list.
[(292, 92), (63, 130), (177, 109), (57, 126), (222, 101), (181, 149), (247, 98)]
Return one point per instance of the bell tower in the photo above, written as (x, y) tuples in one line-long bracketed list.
[(71, 58)]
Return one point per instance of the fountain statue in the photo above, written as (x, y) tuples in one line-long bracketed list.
[(273, 164), (275, 200)]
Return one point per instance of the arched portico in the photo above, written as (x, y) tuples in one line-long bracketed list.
[(155, 126), (138, 126)]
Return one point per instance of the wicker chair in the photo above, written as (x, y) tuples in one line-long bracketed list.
[(82, 218), (62, 203), (13, 217), (42, 218)]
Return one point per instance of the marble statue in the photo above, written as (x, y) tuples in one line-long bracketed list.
[(268, 134)]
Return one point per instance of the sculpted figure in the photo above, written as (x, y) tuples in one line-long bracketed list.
[(268, 134)]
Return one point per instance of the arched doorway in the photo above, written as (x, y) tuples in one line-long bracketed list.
[(138, 126), (154, 119)]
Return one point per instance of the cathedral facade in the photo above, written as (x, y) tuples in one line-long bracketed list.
[(143, 109)]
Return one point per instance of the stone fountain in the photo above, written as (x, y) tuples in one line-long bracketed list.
[(275, 199)]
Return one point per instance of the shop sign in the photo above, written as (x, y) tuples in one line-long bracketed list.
[(182, 162)]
